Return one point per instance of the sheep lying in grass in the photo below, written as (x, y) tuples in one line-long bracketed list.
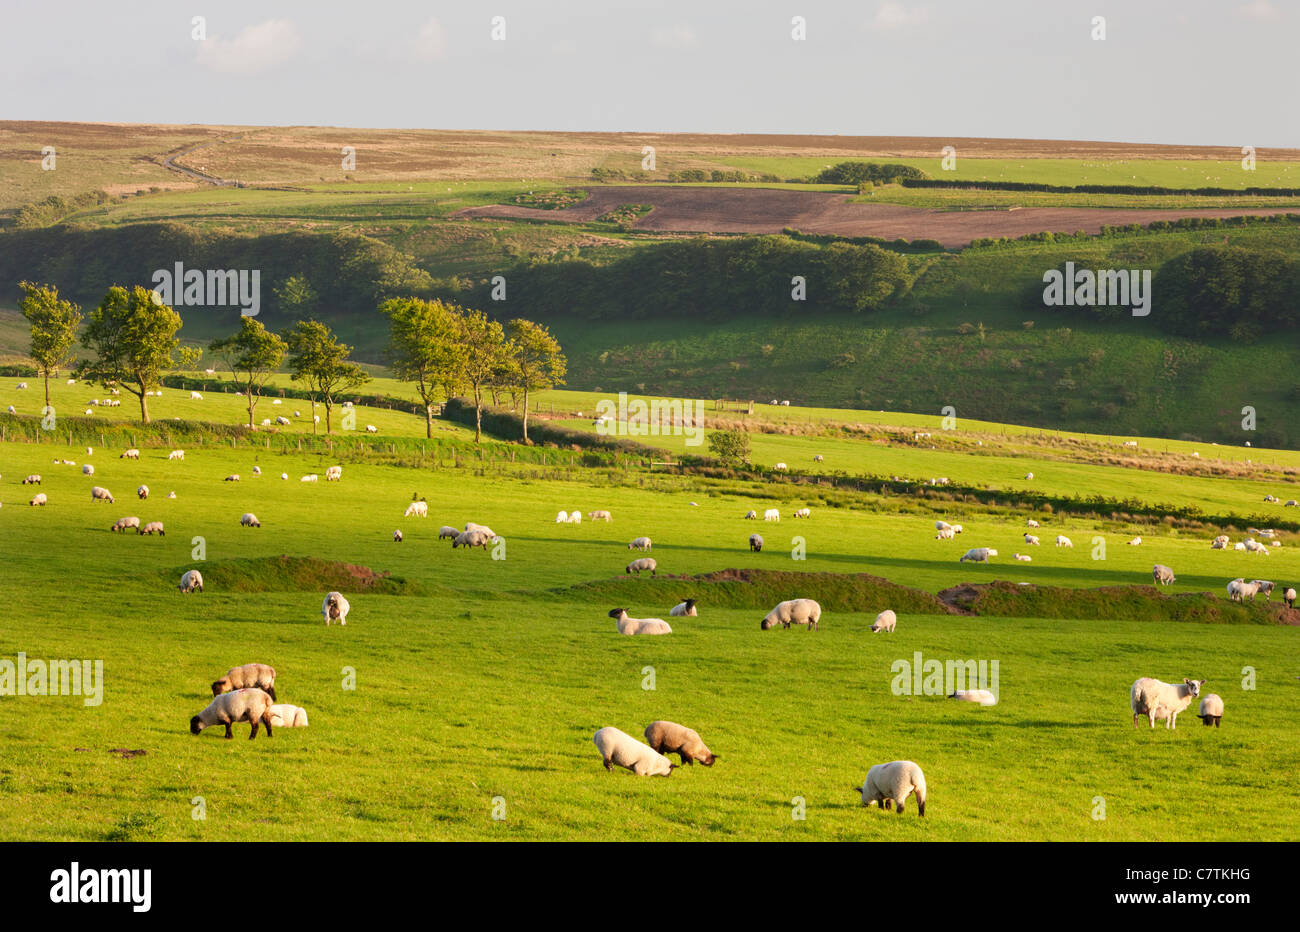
[(1211, 710), (1023, 558), (248, 519), (671, 738), (885, 621), (153, 527), (1135, 542), (600, 515), (247, 676), (335, 608), (1155, 699), (192, 581), (642, 565), (640, 543), (793, 612), (287, 716), (310, 478), (982, 696), (1162, 574), (756, 542), (978, 555), (1063, 541), (684, 609), (418, 509), (243, 705), (447, 532), (628, 625), (619, 748), (891, 784)]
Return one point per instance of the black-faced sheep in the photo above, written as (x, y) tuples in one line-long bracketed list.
[(1211, 710), (249, 676), (335, 608), (793, 612), (756, 543), (630, 626), (192, 581), (1162, 574), (153, 527), (671, 738), (642, 565), (684, 609), (242, 705), (885, 621)]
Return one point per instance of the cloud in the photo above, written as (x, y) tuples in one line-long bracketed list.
[(679, 37), (431, 41), (255, 49), (895, 15), (1261, 10)]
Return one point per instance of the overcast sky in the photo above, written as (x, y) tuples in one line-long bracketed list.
[(1212, 72)]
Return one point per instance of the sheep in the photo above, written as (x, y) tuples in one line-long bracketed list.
[(281, 420), (22, 385), (101, 494), (1162, 574), (1030, 522), (978, 555), (793, 612), (575, 517), (284, 475), (335, 608), (1289, 597), (243, 705), (248, 676), (233, 477), (1271, 498), (192, 580), (641, 543), (600, 515), (982, 696), (1155, 699), (370, 428), (288, 716), (1130, 443), (1063, 541), (817, 458), (397, 536), (169, 494), (891, 784), (671, 738), (1023, 558), (1135, 542), (780, 467), (885, 621), (121, 524), (1238, 589), (1266, 587), (561, 517), (756, 543), (153, 527), (176, 455), (471, 526), (942, 526), (1290, 504), (310, 478), (248, 519), (957, 528), (33, 479), (418, 509), (277, 401), (631, 626), (1239, 545), (1220, 542), (618, 747), (38, 499), (334, 474), (803, 513), (1029, 477), (195, 396), (1211, 710), (641, 565), (751, 515), (772, 514), (472, 538), (684, 609), (131, 454), (12, 410), (447, 532), (143, 492), (87, 470), (1031, 540)]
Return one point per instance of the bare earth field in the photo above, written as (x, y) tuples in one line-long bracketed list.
[(761, 210)]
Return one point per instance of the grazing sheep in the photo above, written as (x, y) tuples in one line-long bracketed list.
[(756, 543), (1162, 574), (287, 716), (418, 509), (1290, 504), (1029, 477), (618, 747), (1031, 540), (471, 526), (1063, 541), (176, 455), (132, 454), (397, 537), (1266, 587), (600, 516), (1289, 597), (195, 396), (38, 499), (1211, 710), (793, 612), (684, 609), (957, 528), (1135, 542), (1271, 498), (945, 533), (1238, 589), (628, 625), (780, 467), (1219, 543), (248, 676), (1239, 545), (281, 420), (370, 428), (153, 527), (561, 517), (817, 458), (772, 514), (891, 784), (248, 519), (101, 494), (447, 532), (803, 513), (1023, 558), (1030, 522), (87, 470), (978, 555), (257, 470), (671, 738), (33, 479), (640, 543), (121, 524), (191, 581), (333, 473), (575, 517), (311, 478), (982, 696), (243, 705), (477, 537), (885, 621), (641, 565), (751, 515), (233, 477), (1155, 699), (335, 608), (143, 492)]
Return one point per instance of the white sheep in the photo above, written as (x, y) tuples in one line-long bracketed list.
[(447, 532), (475, 537), (281, 420), (176, 455), (257, 470), (1155, 699), (471, 526), (1029, 477), (192, 581), (153, 527), (38, 499), (1288, 596), (772, 514), (1211, 710), (33, 479), (418, 509), (334, 474), (1220, 542), (1135, 542), (957, 528), (335, 608), (242, 705), (891, 784), (817, 458), (87, 470), (885, 621), (619, 748), (803, 513), (1023, 558), (793, 612), (233, 477), (600, 515), (982, 696), (143, 492), (100, 494), (1031, 540), (310, 478), (561, 517), (248, 519), (132, 454), (780, 467), (1290, 504), (642, 565), (397, 537), (284, 475), (684, 609), (195, 396), (1239, 545), (640, 543), (370, 428), (1030, 522), (575, 517), (756, 543), (630, 626), (751, 515), (121, 524), (288, 716), (1063, 541), (1162, 574), (978, 555)]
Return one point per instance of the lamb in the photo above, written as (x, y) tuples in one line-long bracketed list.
[(1063, 541), (233, 477), (121, 524), (1162, 574), (640, 543), (600, 515), (1211, 710), (885, 621), (310, 478), (1135, 542), (671, 738), (630, 626), (101, 494), (793, 612), (192, 580), (751, 515), (1031, 540), (1266, 587), (132, 454), (288, 716), (447, 532), (803, 513), (641, 565), (756, 543), (335, 608), (772, 514), (1155, 699), (87, 470), (1030, 522), (33, 479), (982, 696), (153, 527), (397, 536), (176, 455), (1023, 558), (476, 537), (143, 492), (618, 747), (684, 609), (243, 705), (1289, 597), (249, 676), (38, 499), (891, 784), (333, 473), (978, 555), (1238, 589), (418, 509), (248, 519), (471, 526)]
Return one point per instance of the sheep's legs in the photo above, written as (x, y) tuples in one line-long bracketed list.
[(266, 720), (253, 734), (228, 733), (609, 764)]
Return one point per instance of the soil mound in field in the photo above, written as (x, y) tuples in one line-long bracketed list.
[(288, 574)]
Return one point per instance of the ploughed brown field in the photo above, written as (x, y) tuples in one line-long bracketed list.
[(762, 210)]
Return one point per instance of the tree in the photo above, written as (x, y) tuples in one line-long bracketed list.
[(296, 296), (54, 328), (536, 360), (730, 446), (252, 355), (423, 348), (133, 335), (482, 344), (320, 362)]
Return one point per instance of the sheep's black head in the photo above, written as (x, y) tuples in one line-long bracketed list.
[(767, 623), (615, 612), (690, 604), (219, 687), (196, 726)]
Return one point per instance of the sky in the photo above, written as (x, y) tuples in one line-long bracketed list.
[(1190, 72)]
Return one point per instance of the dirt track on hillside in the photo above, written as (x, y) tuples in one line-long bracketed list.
[(761, 210)]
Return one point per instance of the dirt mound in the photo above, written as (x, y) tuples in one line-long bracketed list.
[(290, 574)]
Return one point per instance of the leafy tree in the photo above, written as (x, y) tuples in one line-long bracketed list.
[(536, 360), (252, 354), (320, 362), (133, 335), (296, 296), (423, 348), (54, 328), (483, 345), (730, 446)]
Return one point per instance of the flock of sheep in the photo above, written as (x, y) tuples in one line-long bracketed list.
[(247, 694)]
